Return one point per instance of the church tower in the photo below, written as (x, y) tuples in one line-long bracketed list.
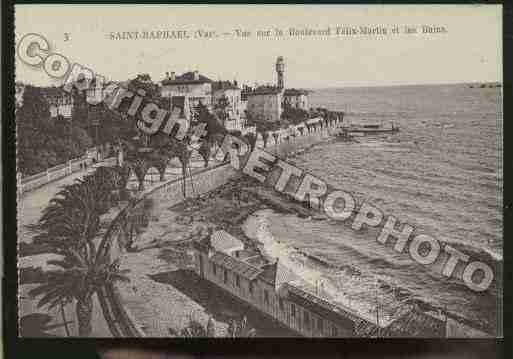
[(280, 70)]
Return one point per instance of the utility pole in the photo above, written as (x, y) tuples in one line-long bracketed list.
[(70, 141), (63, 315), (377, 309), (71, 132), (445, 321)]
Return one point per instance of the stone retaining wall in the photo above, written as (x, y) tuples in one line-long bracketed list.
[(169, 193)]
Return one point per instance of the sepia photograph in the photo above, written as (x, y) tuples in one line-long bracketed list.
[(249, 171)]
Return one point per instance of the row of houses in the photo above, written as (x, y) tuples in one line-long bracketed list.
[(196, 88), (226, 97), (261, 102)]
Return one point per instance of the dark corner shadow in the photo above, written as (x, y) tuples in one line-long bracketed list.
[(222, 306), (35, 325)]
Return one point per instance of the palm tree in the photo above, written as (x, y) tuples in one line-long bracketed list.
[(196, 330), (240, 329), (78, 280), (276, 135), (69, 225), (72, 217), (236, 329)]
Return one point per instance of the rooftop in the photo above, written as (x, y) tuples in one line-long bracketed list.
[(223, 241), (240, 267), (252, 264), (186, 78), (224, 85), (413, 323), (318, 304), (263, 90)]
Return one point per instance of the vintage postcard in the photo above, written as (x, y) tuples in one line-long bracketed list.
[(259, 171)]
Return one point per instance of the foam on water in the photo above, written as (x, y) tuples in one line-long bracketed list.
[(442, 174), (355, 292)]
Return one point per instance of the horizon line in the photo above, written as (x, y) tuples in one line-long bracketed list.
[(338, 86), (407, 84)]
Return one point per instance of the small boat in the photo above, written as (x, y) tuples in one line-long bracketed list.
[(370, 129), (341, 133)]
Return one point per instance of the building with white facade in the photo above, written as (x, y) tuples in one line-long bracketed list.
[(61, 102), (231, 93), (270, 288), (265, 103), (268, 102), (195, 87)]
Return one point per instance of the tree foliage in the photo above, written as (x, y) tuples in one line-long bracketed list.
[(77, 279), (43, 142), (294, 115), (195, 329), (220, 108), (72, 216), (69, 225)]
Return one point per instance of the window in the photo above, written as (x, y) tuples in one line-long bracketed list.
[(266, 297), (292, 310), (214, 268), (225, 276), (237, 281), (280, 303), (306, 319), (320, 324), (334, 331)]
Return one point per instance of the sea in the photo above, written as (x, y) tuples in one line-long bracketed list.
[(442, 174)]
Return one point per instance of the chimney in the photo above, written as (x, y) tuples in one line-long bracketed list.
[(196, 75), (172, 76)]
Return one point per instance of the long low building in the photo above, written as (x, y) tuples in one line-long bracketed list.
[(273, 289), (276, 291)]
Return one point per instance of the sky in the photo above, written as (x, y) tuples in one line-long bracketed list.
[(470, 49)]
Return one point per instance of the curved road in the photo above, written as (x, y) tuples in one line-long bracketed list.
[(37, 322)]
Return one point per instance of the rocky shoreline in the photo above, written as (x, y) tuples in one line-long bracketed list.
[(163, 285)]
